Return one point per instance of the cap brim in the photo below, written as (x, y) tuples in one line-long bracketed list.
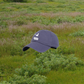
[(36, 46)]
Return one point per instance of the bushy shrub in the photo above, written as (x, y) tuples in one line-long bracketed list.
[(57, 61), (34, 79), (32, 69), (15, 0), (44, 62), (78, 18), (51, 0), (65, 50), (79, 33), (39, 1), (3, 24), (5, 82)]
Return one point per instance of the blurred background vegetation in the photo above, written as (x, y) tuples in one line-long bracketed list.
[(19, 20)]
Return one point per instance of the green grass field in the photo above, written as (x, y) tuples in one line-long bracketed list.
[(20, 21)]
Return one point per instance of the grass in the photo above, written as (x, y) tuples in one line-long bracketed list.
[(8, 64), (19, 22), (66, 77)]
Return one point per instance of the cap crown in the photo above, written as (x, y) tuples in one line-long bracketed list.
[(46, 37)]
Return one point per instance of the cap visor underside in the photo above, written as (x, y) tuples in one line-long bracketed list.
[(36, 46)]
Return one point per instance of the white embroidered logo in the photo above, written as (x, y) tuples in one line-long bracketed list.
[(37, 34), (35, 38)]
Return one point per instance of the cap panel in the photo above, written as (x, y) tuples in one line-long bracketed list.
[(55, 42), (42, 36), (45, 38)]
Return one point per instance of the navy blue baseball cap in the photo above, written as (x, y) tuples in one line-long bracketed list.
[(42, 41)]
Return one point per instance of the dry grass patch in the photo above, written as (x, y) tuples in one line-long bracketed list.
[(51, 14), (61, 29), (72, 14)]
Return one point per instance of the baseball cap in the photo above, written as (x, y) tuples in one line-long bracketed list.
[(42, 41)]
